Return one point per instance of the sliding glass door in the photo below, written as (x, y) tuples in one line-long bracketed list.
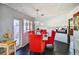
[(20, 30), (17, 31)]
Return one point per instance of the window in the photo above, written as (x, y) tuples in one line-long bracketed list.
[(26, 25), (30, 25)]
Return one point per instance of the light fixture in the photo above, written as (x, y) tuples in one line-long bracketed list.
[(37, 10), (42, 14), (37, 18)]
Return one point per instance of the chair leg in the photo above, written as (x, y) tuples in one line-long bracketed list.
[(30, 52), (53, 45), (41, 53)]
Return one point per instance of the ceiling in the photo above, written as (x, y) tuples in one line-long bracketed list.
[(48, 9)]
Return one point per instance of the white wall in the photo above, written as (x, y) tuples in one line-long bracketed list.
[(7, 15), (61, 20)]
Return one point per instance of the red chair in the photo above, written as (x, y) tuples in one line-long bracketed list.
[(33, 32), (43, 31), (51, 39), (36, 44)]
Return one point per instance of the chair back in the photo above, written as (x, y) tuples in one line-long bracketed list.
[(43, 31), (35, 43), (53, 33), (51, 38)]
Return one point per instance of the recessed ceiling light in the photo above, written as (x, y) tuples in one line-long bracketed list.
[(37, 10), (42, 14)]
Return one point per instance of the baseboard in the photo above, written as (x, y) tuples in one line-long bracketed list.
[(22, 47)]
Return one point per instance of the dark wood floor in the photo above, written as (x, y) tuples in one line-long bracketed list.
[(59, 48)]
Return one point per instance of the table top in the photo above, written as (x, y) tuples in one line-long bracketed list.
[(7, 42)]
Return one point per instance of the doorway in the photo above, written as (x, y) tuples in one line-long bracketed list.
[(17, 32)]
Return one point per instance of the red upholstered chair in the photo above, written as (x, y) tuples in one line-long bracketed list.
[(51, 39), (33, 32), (43, 31), (36, 44)]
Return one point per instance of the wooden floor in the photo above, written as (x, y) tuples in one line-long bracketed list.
[(58, 49)]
